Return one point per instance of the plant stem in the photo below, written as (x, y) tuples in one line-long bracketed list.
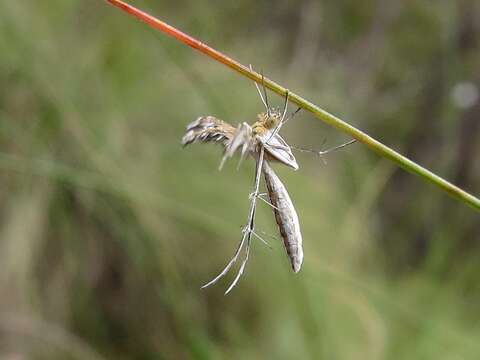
[(321, 114)]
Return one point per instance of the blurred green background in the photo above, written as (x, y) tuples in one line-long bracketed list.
[(108, 228)]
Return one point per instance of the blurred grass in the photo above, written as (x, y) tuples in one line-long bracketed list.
[(108, 228)]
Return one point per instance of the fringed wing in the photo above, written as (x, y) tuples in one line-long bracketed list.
[(285, 216), (208, 129), (242, 138)]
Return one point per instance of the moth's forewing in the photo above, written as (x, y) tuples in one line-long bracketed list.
[(241, 138), (208, 129), (279, 149), (285, 216)]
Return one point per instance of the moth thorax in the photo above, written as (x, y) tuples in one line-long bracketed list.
[(270, 120)]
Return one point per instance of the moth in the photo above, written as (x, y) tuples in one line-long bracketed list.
[(262, 142)]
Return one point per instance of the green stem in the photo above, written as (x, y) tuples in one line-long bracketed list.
[(321, 114)]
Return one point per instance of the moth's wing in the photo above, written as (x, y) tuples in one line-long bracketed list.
[(241, 138), (279, 149), (285, 216), (208, 129)]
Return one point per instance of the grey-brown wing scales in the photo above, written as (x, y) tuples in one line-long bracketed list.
[(208, 129)]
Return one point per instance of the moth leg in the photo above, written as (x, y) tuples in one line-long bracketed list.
[(292, 115), (321, 153), (231, 262), (268, 202), (246, 231), (285, 107), (261, 196), (249, 229), (262, 239), (244, 262)]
